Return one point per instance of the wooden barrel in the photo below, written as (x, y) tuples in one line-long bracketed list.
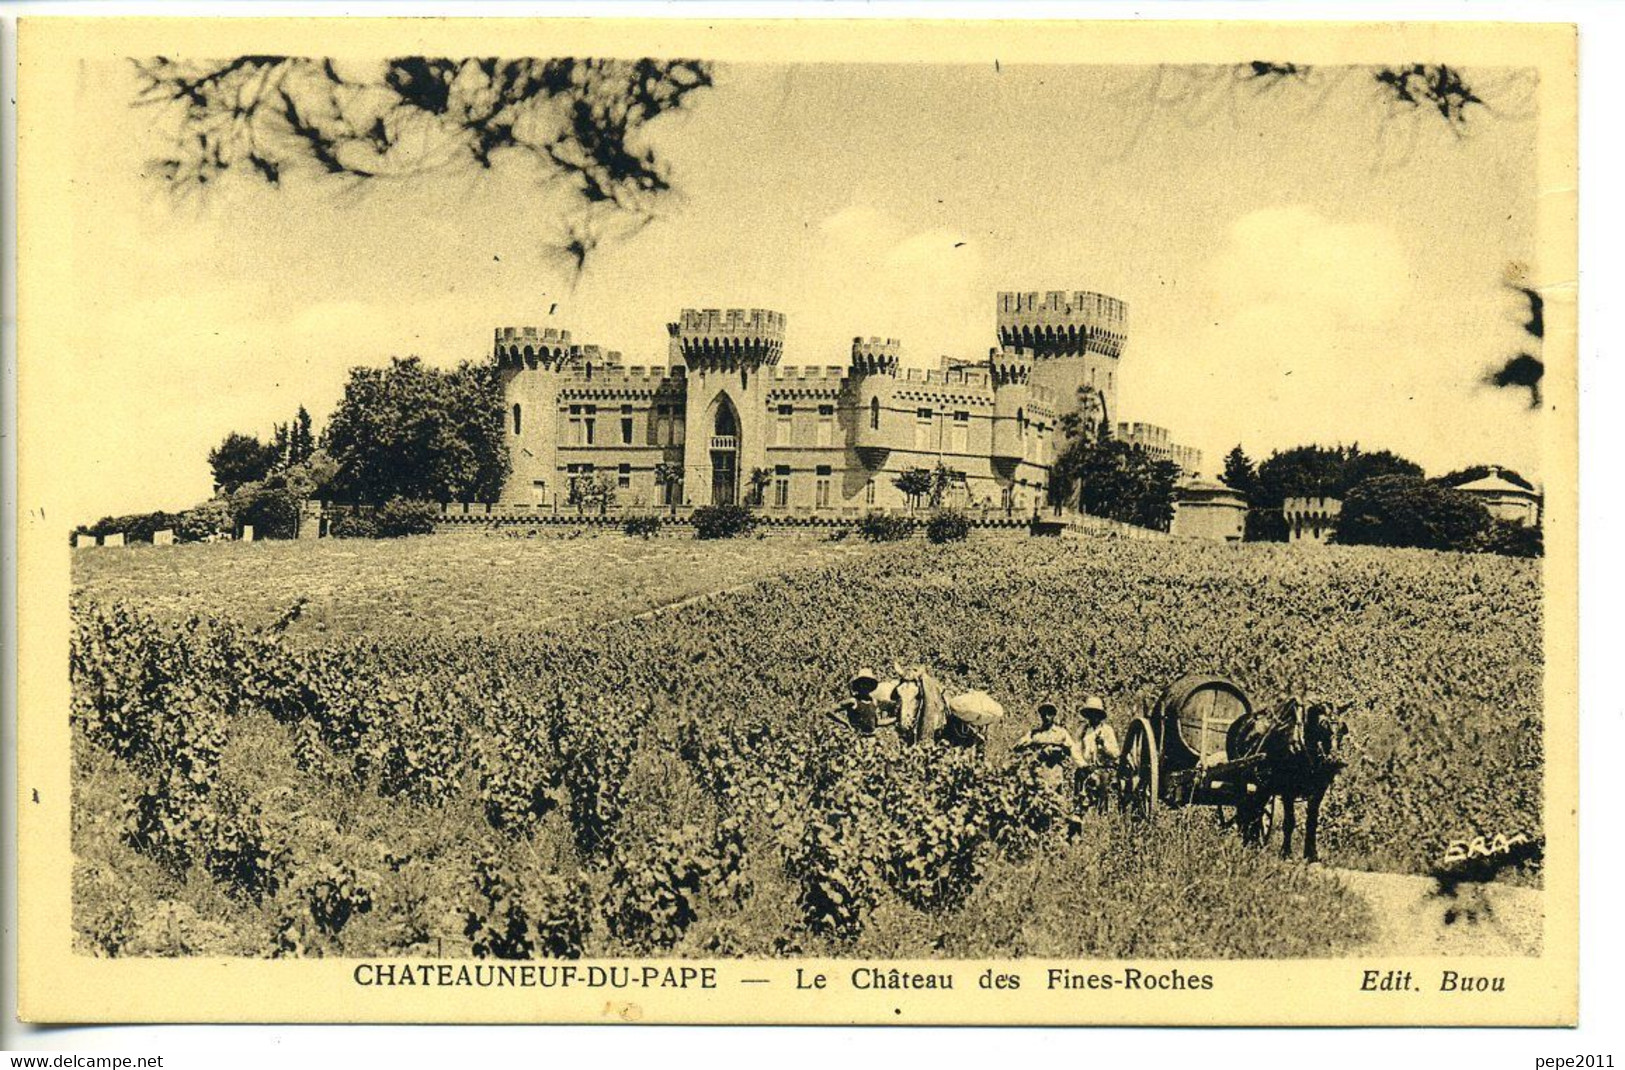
[(1197, 711)]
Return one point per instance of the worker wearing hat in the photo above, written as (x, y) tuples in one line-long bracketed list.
[(860, 710), (1099, 742), (1053, 745)]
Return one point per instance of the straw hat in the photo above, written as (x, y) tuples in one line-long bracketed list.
[(1096, 705), (865, 677)]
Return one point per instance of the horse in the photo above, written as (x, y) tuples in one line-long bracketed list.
[(1300, 743)]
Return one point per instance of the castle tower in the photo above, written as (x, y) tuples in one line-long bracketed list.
[(1011, 370), (871, 385), (1075, 339), (725, 352), (529, 362)]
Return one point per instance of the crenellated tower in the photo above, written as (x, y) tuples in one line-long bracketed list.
[(1011, 369), (530, 362), (1075, 339), (870, 388), (876, 356), (724, 351)]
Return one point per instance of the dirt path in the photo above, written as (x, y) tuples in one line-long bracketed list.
[(1413, 918)]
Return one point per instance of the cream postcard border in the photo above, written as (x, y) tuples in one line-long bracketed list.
[(56, 985)]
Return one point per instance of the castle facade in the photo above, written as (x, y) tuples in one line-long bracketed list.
[(723, 422)]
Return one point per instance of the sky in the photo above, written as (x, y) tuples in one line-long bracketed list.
[(1301, 266)]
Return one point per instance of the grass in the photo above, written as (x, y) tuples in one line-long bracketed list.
[(457, 584)]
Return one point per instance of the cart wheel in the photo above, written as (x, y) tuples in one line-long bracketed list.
[(1137, 770)]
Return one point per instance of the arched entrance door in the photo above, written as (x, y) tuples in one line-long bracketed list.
[(724, 453)]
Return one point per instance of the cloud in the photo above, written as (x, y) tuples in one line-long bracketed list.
[(1337, 274), (871, 275), (1305, 329)]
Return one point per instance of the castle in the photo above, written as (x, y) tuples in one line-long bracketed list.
[(740, 428)]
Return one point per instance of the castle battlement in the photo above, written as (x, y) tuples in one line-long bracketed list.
[(973, 376), (519, 347), (811, 373), (533, 335), (612, 373), (876, 356), (1011, 366), (1060, 324), (730, 335)]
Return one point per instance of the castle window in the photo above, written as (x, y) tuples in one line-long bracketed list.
[(869, 492), (662, 428), (922, 428), (517, 423), (589, 425), (821, 500), (826, 424), (626, 425), (961, 441), (781, 430), (874, 414), (623, 476), (781, 485)]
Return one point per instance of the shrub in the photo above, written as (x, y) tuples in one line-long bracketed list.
[(1407, 511), (353, 526), (1513, 539), (723, 521), (642, 526), (949, 525), (272, 512), (882, 527), (403, 516), (208, 520)]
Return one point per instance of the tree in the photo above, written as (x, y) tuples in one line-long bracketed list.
[(915, 483), (415, 432), (759, 479), (577, 121), (669, 477), (1314, 472), (944, 479), (1400, 510), (1110, 478), (301, 442), (1239, 473), (591, 490), (241, 459)]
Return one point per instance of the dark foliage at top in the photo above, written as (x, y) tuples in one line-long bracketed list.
[(1525, 371), (274, 116), (1435, 86)]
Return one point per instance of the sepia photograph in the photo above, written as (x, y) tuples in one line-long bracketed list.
[(767, 523)]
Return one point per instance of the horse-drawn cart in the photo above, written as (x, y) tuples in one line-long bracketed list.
[(1178, 755)]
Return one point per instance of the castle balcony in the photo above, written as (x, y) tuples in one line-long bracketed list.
[(725, 443)]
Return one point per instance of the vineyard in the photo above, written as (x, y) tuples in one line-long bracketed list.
[(666, 784)]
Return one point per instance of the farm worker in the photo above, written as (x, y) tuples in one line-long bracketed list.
[(1100, 751), (1053, 745), (859, 710), (1099, 741), (922, 709)]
